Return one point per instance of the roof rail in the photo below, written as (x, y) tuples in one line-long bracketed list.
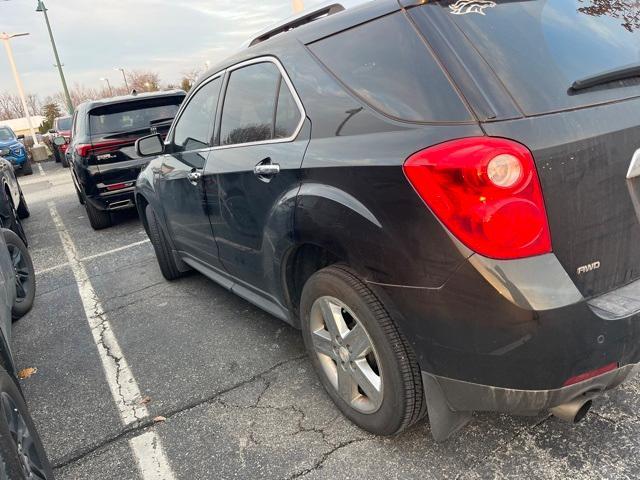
[(294, 22)]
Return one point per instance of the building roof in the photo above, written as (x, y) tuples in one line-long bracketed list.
[(20, 124)]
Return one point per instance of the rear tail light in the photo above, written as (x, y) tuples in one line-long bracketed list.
[(85, 149), (486, 191)]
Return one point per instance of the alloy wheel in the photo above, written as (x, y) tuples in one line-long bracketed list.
[(30, 460), (347, 354), (23, 280)]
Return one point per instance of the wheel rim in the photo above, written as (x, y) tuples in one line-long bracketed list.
[(21, 273), (30, 460), (347, 354)]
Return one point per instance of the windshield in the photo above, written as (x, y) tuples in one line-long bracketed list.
[(64, 123), (6, 135), (132, 116), (539, 48)]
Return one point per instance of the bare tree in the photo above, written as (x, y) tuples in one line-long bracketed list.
[(626, 10), (143, 81), (11, 105)]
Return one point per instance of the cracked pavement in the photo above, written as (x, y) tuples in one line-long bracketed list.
[(239, 396)]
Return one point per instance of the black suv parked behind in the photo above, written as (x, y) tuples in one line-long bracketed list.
[(442, 196), (102, 156)]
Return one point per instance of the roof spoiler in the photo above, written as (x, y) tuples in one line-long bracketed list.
[(295, 22)]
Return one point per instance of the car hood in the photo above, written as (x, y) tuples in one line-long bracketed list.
[(10, 143)]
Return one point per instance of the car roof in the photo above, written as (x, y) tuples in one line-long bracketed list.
[(91, 104)]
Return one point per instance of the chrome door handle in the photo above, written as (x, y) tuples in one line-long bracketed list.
[(194, 177), (267, 169)]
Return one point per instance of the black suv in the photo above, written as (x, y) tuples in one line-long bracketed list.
[(443, 196), (101, 154)]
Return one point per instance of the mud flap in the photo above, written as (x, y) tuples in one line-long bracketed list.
[(443, 420)]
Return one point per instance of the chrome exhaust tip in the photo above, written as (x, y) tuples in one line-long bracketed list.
[(573, 411)]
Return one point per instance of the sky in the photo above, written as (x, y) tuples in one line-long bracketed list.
[(169, 37)]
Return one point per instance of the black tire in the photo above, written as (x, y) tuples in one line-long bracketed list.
[(99, 219), (25, 274), (56, 154), (80, 196), (27, 169), (23, 208), (10, 218), (63, 160), (22, 455), (403, 401), (164, 254)]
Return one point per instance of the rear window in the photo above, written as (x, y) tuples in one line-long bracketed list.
[(63, 123), (387, 64), (133, 115), (539, 48)]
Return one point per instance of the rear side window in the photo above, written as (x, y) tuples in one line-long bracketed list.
[(258, 106), (133, 115), (389, 66), (538, 49)]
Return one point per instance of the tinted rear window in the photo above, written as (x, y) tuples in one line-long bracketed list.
[(64, 123), (133, 116), (539, 48), (387, 64)]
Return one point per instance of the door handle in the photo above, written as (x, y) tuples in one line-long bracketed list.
[(194, 177), (266, 170)]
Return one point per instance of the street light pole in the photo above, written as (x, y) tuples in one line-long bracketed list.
[(5, 37), (108, 85), (124, 77), (43, 9)]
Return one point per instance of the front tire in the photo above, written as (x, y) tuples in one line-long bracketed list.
[(164, 254), (24, 274), (99, 219), (63, 160), (363, 361), (22, 455)]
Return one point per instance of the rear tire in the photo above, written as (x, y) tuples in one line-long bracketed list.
[(24, 274), (26, 168), (99, 219), (371, 375), (22, 454), (23, 208), (164, 254)]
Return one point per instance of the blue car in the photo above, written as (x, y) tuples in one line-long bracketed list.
[(14, 151)]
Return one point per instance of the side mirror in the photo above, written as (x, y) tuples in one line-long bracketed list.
[(150, 145), (20, 137), (59, 141), (51, 130)]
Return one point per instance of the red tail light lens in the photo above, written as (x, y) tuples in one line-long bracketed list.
[(486, 192), (83, 149)]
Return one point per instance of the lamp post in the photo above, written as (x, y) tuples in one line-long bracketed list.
[(104, 79), (124, 77), (43, 9), (5, 37)]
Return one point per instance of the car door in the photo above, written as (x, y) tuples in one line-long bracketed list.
[(262, 138), (179, 178)]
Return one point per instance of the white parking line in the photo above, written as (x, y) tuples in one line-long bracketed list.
[(40, 169), (109, 252), (147, 448), (93, 257)]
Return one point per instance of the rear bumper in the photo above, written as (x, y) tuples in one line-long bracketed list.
[(114, 201), (464, 396), (517, 325)]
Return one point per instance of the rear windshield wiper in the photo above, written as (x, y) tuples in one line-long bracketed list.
[(628, 71)]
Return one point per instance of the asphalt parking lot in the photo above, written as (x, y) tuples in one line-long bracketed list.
[(238, 396)]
